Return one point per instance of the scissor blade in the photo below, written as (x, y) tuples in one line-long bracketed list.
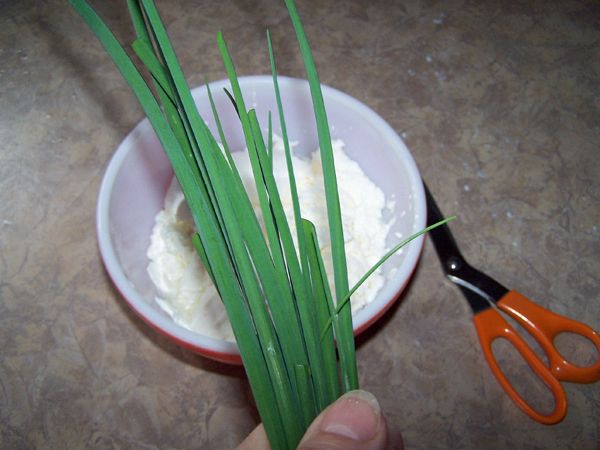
[(442, 238), (479, 289)]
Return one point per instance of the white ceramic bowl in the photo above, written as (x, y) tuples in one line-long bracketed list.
[(137, 177)]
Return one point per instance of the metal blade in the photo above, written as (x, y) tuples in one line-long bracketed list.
[(442, 238), (479, 289)]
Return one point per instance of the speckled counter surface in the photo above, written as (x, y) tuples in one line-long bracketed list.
[(499, 103)]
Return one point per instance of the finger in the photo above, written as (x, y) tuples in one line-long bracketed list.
[(354, 421), (257, 440)]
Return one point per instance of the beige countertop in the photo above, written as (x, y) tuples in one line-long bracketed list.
[(499, 103)]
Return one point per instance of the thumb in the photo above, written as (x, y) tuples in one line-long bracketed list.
[(354, 421)]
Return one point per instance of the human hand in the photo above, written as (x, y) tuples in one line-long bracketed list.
[(354, 421)]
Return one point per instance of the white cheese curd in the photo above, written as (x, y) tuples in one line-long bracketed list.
[(184, 288)]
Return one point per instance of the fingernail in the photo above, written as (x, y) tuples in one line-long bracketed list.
[(355, 415)]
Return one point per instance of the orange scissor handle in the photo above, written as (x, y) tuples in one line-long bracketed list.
[(491, 326), (544, 326)]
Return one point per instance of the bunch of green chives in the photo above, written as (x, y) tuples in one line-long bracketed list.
[(296, 343)]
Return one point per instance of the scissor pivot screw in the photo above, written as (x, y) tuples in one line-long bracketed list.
[(454, 264)]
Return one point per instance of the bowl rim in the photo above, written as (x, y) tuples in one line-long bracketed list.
[(226, 351)]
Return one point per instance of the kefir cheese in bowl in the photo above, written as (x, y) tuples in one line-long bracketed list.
[(381, 194), (184, 288)]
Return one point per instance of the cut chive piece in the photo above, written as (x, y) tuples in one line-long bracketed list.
[(325, 314), (378, 264), (345, 338)]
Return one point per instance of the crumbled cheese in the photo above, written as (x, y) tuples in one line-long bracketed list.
[(185, 290)]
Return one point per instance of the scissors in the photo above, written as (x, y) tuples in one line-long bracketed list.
[(487, 297)]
